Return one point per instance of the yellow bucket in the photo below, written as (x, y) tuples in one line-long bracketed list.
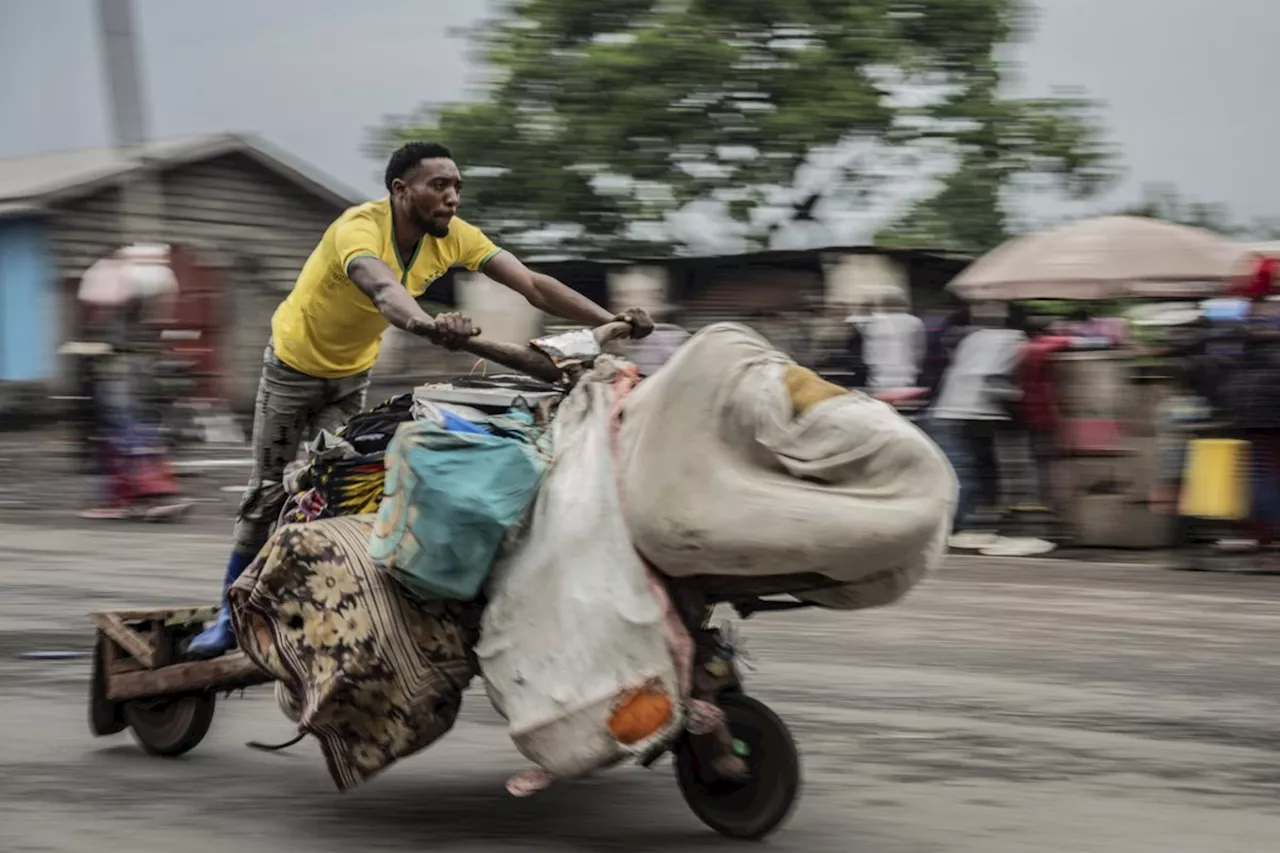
[(1215, 483)]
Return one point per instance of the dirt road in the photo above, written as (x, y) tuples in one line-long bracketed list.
[(1012, 706)]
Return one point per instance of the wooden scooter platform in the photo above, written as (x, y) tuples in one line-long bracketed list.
[(141, 682)]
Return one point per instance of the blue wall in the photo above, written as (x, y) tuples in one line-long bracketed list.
[(28, 302)]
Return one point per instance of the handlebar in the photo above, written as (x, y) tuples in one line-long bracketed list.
[(530, 361), (610, 332)]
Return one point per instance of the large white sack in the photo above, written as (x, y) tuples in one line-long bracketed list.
[(572, 624), (720, 476)]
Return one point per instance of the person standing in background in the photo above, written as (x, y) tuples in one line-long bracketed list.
[(125, 296), (1252, 395), (844, 364), (893, 344), (1040, 404), (974, 408)]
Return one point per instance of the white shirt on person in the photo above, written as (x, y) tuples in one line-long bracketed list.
[(893, 349), (984, 356)]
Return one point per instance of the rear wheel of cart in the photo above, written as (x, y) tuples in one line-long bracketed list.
[(747, 810), (105, 717), (170, 725)]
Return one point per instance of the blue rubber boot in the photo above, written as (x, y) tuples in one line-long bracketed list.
[(220, 638)]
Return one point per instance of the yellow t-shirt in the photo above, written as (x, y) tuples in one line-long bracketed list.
[(326, 327)]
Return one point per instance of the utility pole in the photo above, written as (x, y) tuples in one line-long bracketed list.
[(141, 202)]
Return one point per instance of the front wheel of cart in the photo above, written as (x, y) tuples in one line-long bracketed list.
[(170, 725), (749, 810)]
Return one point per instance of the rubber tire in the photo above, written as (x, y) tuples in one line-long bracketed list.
[(105, 717), (170, 726), (752, 811)]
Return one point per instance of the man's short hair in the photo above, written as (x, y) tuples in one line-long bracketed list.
[(409, 155)]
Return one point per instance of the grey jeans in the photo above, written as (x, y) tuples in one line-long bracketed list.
[(291, 408)]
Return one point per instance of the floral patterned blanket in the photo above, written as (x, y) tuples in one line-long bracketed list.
[(373, 673)]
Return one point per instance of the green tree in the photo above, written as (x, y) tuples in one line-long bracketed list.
[(602, 118), (1056, 144)]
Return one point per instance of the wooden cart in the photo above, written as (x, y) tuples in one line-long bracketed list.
[(140, 681)]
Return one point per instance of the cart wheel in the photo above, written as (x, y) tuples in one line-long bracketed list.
[(745, 810), (170, 725), (105, 717)]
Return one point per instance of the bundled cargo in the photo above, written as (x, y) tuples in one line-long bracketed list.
[(737, 462), (455, 491), (574, 646), (373, 673), (343, 473)]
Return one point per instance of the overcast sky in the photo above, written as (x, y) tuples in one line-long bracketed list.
[(1189, 84)]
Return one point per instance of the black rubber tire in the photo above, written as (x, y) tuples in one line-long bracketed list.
[(172, 725), (752, 810), (105, 717)]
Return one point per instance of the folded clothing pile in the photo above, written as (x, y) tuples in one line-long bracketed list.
[(343, 472)]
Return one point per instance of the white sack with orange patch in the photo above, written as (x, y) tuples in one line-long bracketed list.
[(573, 625)]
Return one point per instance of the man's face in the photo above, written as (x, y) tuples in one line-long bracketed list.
[(429, 194)]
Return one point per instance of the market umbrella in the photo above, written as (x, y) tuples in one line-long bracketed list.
[(1103, 258)]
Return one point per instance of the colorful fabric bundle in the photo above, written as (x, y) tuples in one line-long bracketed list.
[(350, 486), (372, 673), (347, 479)]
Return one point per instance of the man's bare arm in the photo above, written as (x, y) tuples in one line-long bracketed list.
[(376, 281), (544, 292)]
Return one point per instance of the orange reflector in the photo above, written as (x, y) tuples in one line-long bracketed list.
[(640, 714)]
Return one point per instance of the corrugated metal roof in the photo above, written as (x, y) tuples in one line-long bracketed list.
[(29, 183)]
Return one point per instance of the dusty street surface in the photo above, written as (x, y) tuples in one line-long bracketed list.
[(1007, 706)]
